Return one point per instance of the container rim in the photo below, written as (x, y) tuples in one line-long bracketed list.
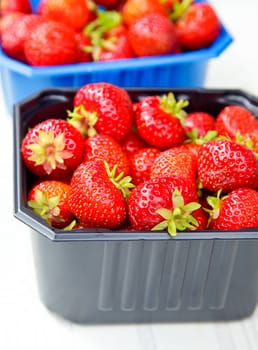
[(22, 213), (220, 44)]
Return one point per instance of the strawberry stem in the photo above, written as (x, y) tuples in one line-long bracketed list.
[(83, 120), (170, 105), (180, 8)]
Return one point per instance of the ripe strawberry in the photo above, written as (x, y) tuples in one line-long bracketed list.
[(51, 43), (235, 119), (158, 120), (198, 27), (104, 108), (133, 10), (226, 165), (141, 162), (152, 34), (53, 148), (73, 13), (116, 45), (170, 198), (83, 42), (201, 121), (105, 148), (7, 20), (96, 197), (48, 200), (132, 142), (8, 6), (15, 35), (237, 210), (175, 161)]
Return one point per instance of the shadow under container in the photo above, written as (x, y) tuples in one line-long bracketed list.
[(188, 69), (102, 276)]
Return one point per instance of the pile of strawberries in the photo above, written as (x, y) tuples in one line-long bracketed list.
[(120, 164), (74, 31)]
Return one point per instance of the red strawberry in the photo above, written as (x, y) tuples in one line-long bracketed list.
[(48, 199), (104, 108), (163, 203), (238, 209), (175, 161), (234, 119), (73, 13), (226, 165), (201, 121), (83, 42), (51, 43), (132, 142), (158, 120), (141, 163), (116, 45), (151, 35), (16, 34), (96, 198), (132, 10), (53, 148), (105, 148), (7, 20), (198, 27), (7, 6)]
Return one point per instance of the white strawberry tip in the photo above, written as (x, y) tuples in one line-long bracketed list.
[(49, 151), (179, 218)]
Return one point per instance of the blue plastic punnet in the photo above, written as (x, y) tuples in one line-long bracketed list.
[(187, 69)]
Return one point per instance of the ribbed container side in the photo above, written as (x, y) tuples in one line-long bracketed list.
[(147, 281)]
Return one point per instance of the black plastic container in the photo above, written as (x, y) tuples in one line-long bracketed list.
[(100, 276)]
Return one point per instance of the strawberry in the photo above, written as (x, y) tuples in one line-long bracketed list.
[(158, 120), (15, 35), (163, 203), (83, 42), (97, 195), (133, 10), (198, 27), (7, 20), (52, 148), (8, 6), (73, 13), (235, 119), (48, 200), (103, 108), (105, 148), (237, 210), (141, 162), (226, 165), (51, 43), (132, 142), (116, 45), (152, 34), (201, 121), (175, 161)]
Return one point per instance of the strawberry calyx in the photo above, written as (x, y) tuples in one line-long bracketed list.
[(179, 218), (49, 151), (169, 104), (45, 207), (247, 141), (96, 30), (215, 203), (83, 120), (123, 183), (179, 9), (193, 137)]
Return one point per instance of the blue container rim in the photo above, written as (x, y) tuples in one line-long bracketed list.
[(220, 44)]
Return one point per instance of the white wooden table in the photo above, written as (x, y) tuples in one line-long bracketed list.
[(24, 321)]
